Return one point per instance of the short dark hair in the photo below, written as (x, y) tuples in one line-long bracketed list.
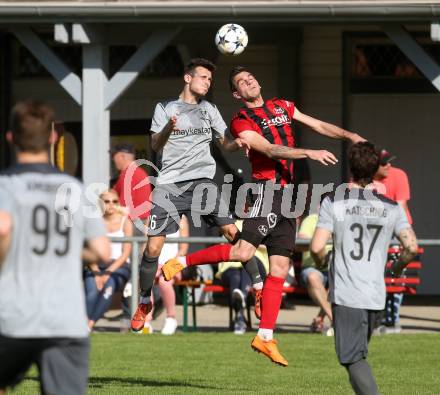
[(199, 62), (363, 159), (31, 125), (234, 71), (123, 147)]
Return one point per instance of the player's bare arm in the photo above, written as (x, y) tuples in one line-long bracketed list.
[(317, 246), (275, 151), (5, 234), (408, 239), (158, 140), (326, 129), (233, 145)]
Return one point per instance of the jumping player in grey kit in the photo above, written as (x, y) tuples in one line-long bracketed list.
[(42, 305), (362, 224), (182, 131)]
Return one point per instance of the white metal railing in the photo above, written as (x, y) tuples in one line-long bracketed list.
[(137, 240)]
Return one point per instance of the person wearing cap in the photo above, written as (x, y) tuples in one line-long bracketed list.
[(393, 183), (123, 155)]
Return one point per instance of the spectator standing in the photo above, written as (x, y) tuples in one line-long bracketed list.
[(393, 183), (135, 192)]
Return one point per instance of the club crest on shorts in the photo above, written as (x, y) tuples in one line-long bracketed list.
[(272, 220), (263, 229)]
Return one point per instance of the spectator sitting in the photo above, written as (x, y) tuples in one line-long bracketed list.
[(313, 279), (103, 279), (169, 250), (233, 276)]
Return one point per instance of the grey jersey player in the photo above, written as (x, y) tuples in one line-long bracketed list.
[(361, 223), (42, 307)]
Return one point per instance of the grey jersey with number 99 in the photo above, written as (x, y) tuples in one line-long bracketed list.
[(362, 223), (41, 288)]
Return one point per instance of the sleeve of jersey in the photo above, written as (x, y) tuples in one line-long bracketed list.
[(290, 107), (160, 118), (401, 220), (218, 125), (240, 124), (5, 200), (326, 218)]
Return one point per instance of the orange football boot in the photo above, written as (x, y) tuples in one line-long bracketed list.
[(138, 320), (171, 268), (270, 349), (257, 307)]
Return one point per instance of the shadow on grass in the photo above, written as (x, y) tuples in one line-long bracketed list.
[(412, 317), (97, 382)]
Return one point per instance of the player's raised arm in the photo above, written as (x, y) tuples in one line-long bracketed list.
[(325, 128), (408, 239), (275, 151), (158, 140), (5, 234)]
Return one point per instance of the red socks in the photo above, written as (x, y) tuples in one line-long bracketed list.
[(271, 301), (211, 255)]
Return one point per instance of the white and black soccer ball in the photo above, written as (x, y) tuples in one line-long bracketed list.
[(231, 39)]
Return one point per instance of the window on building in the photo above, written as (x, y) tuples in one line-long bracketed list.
[(377, 65)]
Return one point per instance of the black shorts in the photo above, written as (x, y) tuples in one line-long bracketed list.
[(353, 330), (63, 363), (267, 225), (197, 199)]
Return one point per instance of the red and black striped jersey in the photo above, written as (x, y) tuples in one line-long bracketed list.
[(273, 121)]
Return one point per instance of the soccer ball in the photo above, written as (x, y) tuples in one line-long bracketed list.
[(231, 39)]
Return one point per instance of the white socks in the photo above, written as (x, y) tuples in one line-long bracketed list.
[(265, 334), (182, 260)]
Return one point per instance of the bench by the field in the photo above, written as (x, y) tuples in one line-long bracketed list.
[(407, 284)]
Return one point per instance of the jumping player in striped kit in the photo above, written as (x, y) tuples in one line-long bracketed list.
[(266, 127), (362, 223)]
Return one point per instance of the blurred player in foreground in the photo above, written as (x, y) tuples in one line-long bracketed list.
[(42, 310)]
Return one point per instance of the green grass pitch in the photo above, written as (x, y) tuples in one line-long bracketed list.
[(213, 363)]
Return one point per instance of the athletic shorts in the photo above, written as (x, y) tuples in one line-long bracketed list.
[(63, 363), (267, 225), (197, 199), (353, 330)]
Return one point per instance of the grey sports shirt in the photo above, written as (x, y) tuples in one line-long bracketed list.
[(41, 286), (187, 155), (362, 223)]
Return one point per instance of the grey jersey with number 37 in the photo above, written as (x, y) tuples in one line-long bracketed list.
[(362, 223), (41, 287)]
